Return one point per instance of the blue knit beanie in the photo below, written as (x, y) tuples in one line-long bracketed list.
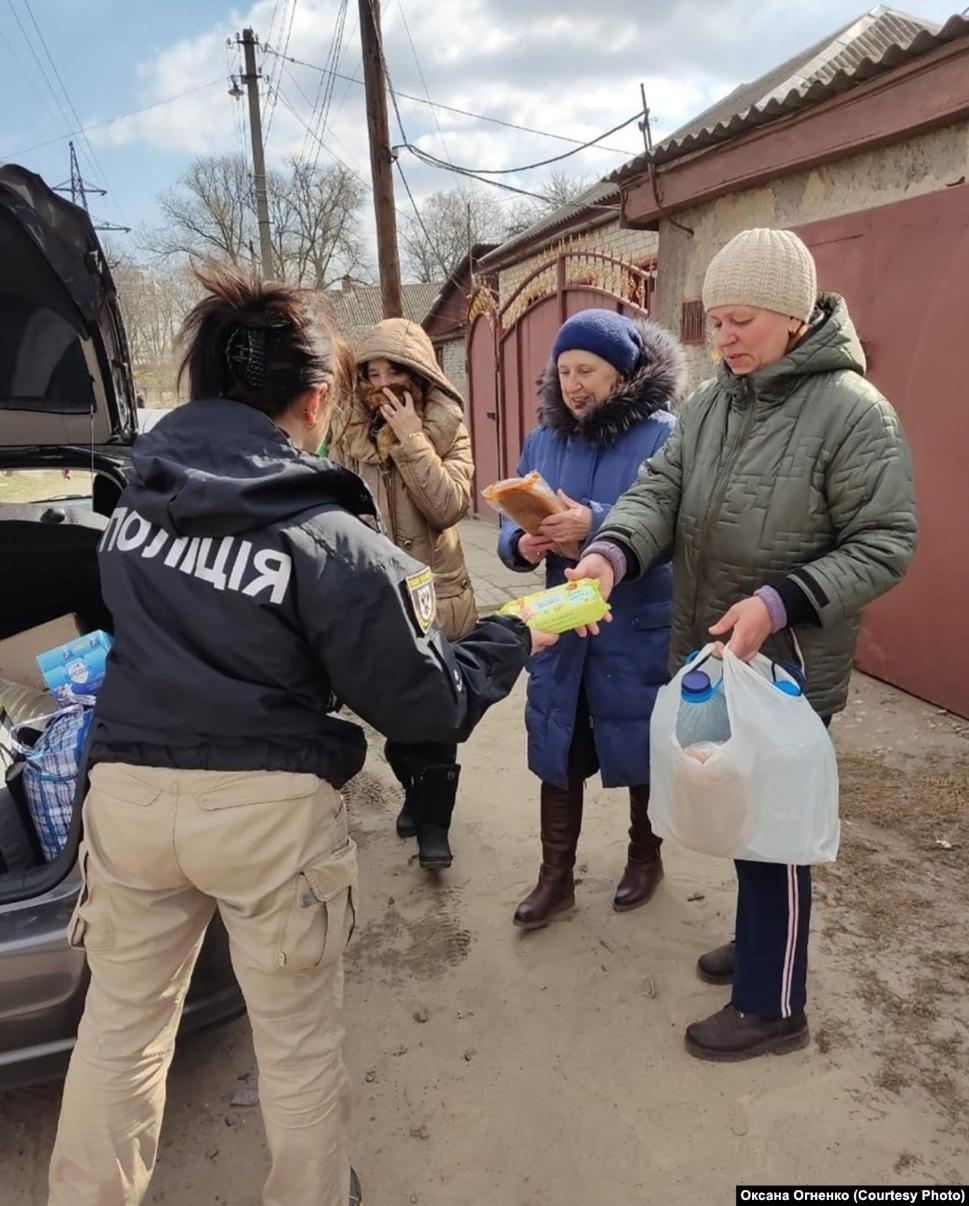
[(604, 333)]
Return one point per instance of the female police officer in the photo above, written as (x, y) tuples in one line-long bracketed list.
[(249, 596)]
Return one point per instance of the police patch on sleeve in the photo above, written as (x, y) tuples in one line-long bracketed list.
[(421, 600)]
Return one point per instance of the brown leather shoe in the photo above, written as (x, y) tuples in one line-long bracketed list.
[(644, 865), (716, 966), (555, 890), (729, 1035)]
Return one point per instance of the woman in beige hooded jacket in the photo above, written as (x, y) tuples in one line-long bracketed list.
[(407, 439)]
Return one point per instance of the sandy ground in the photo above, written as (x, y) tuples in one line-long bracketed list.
[(494, 1068)]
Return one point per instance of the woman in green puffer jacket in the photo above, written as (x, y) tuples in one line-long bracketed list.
[(785, 496)]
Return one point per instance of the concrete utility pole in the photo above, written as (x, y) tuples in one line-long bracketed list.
[(251, 81), (381, 162)]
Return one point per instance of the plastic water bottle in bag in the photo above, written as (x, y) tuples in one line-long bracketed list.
[(703, 723)]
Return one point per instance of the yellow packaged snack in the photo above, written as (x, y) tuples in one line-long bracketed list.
[(561, 608)]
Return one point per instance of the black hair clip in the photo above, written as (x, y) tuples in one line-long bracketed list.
[(245, 354)]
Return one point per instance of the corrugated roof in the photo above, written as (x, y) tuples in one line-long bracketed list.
[(558, 221), (361, 307), (869, 46)]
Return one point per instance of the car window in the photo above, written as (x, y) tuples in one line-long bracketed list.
[(42, 485)]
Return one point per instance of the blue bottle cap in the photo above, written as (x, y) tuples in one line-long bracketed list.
[(696, 686), (788, 687)]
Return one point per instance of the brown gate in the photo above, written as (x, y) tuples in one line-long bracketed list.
[(904, 270), (508, 348)]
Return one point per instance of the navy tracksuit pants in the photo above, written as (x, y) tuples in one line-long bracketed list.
[(773, 920)]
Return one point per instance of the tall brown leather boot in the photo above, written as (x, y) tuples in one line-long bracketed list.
[(644, 865), (561, 823)]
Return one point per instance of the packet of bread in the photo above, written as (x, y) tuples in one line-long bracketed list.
[(526, 501), (560, 609)]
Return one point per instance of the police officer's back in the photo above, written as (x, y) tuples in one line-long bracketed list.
[(251, 594)]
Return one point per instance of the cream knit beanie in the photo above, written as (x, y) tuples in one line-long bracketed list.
[(770, 269)]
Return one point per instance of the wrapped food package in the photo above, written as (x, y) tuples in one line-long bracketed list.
[(525, 500), (560, 609)]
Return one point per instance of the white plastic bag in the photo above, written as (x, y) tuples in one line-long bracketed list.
[(769, 793)]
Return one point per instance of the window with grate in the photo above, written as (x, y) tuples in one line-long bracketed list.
[(692, 323)]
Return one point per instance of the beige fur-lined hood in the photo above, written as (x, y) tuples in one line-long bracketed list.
[(408, 344)]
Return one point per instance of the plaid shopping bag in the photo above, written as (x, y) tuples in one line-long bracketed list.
[(50, 773)]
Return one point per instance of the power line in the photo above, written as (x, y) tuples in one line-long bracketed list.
[(420, 100), (275, 97), (336, 49), (420, 72), (383, 63), (420, 221), (272, 19), (333, 135), (431, 161), (70, 103), (30, 76), (354, 30), (109, 121), (316, 138), (528, 167), (40, 66), (324, 90)]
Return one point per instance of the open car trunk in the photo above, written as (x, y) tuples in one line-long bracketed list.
[(66, 401), (49, 554), (65, 376)]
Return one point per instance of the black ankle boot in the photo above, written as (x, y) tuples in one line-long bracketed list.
[(432, 805), (405, 824)]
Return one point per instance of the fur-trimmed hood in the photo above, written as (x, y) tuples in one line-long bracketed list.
[(657, 383)]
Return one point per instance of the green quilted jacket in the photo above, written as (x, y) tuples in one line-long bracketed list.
[(798, 477)]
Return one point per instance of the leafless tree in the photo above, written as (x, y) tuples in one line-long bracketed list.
[(557, 189), (313, 210), (209, 214), (450, 223), (154, 299), (314, 213)]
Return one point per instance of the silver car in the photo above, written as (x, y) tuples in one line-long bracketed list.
[(67, 418)]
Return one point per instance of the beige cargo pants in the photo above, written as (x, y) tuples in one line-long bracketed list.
[(162, 850)]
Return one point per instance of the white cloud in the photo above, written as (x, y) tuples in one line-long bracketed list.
[(534, 63)]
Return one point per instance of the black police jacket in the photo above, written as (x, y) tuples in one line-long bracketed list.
[(253, 593)]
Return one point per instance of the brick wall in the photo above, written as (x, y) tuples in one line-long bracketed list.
[(451, 357)]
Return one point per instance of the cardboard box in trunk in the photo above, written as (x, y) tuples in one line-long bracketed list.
[(18, 654)]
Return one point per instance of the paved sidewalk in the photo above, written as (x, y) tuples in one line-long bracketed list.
[(494, 584)]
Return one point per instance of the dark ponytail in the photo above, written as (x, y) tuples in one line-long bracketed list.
[(260, 343)]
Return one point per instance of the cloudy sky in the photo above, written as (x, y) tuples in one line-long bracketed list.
[(148, 81)]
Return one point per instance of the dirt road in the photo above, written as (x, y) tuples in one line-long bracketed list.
[(499, 1069)]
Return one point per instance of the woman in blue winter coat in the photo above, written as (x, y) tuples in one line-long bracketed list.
[(607, 398)]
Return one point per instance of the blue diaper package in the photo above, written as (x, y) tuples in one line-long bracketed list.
[(74, 672)]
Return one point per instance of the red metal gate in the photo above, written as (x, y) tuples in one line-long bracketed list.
[(508, 348), (483, 394), (903, 269)]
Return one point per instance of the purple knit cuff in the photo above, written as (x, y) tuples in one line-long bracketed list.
[(612, 553), (775, 607)]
